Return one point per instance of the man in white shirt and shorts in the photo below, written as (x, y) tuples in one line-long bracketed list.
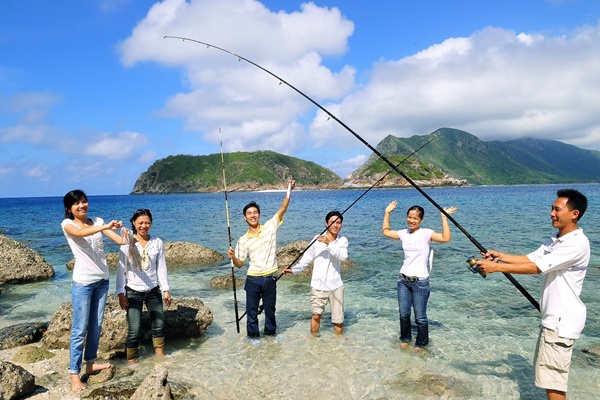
[(563, 261), (327, 251)]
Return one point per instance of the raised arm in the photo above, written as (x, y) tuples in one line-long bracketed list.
[(444, 237), (385, 229), (286, 200)]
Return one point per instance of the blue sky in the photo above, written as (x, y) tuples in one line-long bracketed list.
[(91, 94)]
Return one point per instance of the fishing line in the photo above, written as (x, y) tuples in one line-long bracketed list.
[(377, 152), (235, 302)]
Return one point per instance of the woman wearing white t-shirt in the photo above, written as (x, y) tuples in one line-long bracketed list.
[(413, 282), (89, 288)]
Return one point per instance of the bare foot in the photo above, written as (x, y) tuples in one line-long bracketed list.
[(404, 344), (132, 361), (420, 350), (92, 368), (76, 384), (159, 351)]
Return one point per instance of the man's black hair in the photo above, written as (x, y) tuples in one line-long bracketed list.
[(575, 200), (250, 205)]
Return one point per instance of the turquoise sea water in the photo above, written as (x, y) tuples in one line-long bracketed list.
[(483, 331)]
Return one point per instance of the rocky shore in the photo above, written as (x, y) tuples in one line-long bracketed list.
[(34, 356), (37, 368)]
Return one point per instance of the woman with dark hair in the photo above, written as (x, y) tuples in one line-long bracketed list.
[(90, 282), (142, 278), (413, 282)]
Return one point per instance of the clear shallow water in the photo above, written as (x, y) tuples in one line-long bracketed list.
[(483, 332)]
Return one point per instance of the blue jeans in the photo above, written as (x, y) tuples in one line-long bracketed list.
[(154, 304), (413, 295), (265, 288), (88, 302)]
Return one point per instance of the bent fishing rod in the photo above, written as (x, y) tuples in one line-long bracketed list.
[(479, 246), (235, 302), (343, 212)]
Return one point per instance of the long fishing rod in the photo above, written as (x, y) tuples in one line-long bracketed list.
[(235, 302), (347, 208), (377, 152)]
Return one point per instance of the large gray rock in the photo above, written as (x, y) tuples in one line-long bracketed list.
[(186, 318), (226, 282), (19, 263), (155, 386), (16, 382), (22, 334), (177, 254), (185, 253)]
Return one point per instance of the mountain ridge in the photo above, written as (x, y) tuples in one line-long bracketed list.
[(463, 156), (446, 157)]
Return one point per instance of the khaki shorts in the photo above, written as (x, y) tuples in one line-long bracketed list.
[(552, 360), (319, 299)]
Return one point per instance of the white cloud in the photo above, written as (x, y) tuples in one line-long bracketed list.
[(30, 113), (495, 84), (39, 171), (346, 167), (5, 170), (116, 147), (223, 92)]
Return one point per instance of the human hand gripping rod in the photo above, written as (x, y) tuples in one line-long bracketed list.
[(235, 302), (374, 150)]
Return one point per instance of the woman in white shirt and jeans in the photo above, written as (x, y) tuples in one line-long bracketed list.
[(142, 278), (413, 282), (90, 282)]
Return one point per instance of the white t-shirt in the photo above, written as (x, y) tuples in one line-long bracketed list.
[(563, 262), (327, 259), (90, 261), (416, 252)]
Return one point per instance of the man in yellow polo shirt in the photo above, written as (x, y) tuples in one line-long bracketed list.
[(260, 244)]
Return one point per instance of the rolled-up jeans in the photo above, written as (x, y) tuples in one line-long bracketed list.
[(88, 303), (265, 288), (136, 300), (414, 295)]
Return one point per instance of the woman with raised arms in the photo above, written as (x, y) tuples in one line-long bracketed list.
[(413, 281)]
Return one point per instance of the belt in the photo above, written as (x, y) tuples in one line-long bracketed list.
[(411, 278), (263, 276)]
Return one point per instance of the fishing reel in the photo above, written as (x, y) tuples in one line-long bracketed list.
[(472, 265)]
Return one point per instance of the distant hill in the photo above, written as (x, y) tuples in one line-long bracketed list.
[(258, 170), (463, 156)]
